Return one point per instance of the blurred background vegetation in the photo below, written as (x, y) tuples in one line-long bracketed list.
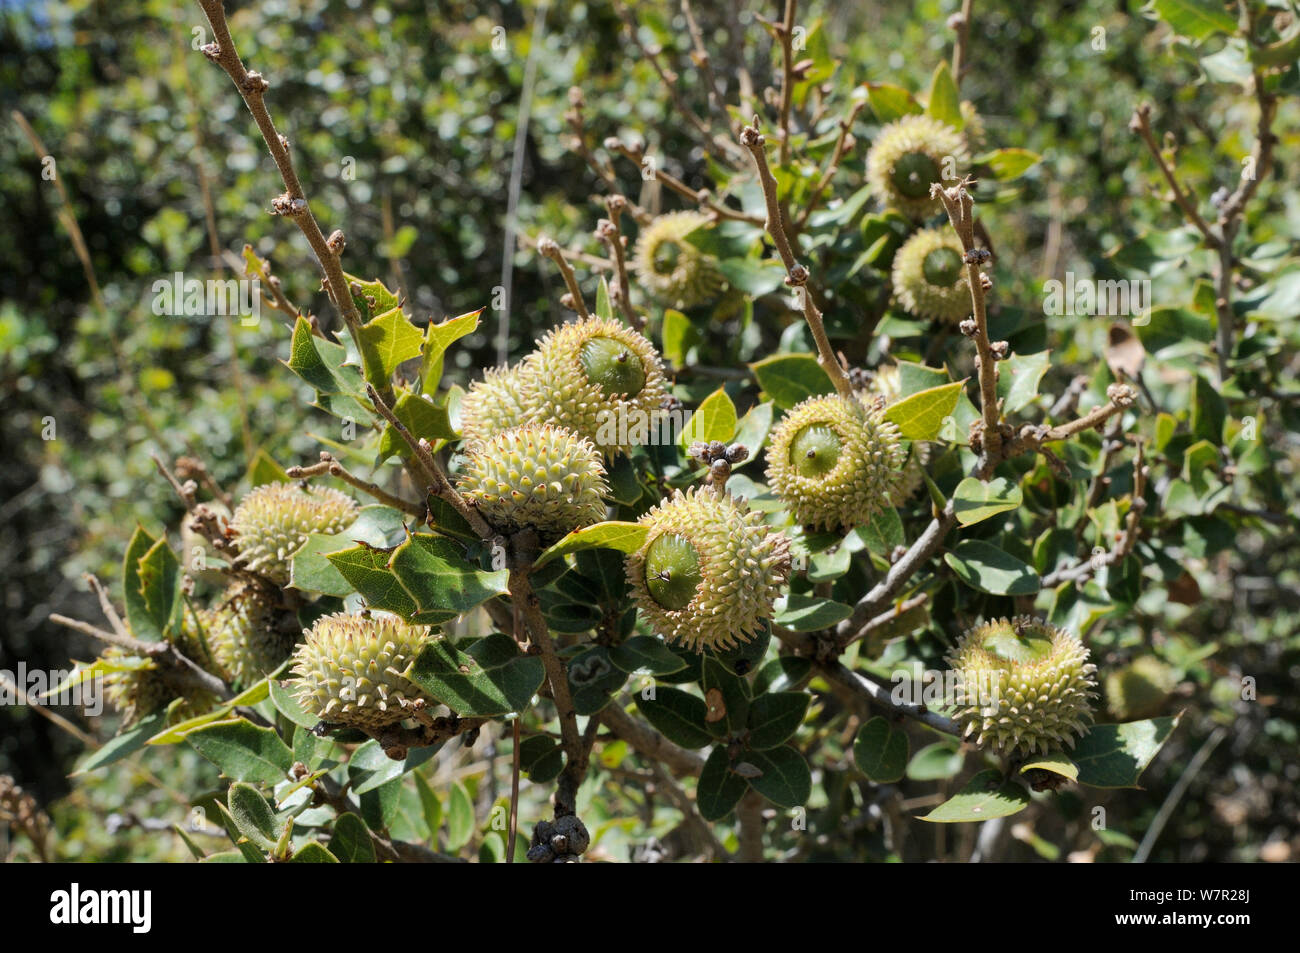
[(403, 118)]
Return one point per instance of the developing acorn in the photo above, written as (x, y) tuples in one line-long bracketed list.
[(672, 269), (972, 126), (244, 636), (884, 383), (709, 570), (140, 691), (273, 521), (1139, 689), (493, 404), (599, 379), (539, 476), (908, 156), (351, 670), (1025, 686), (929, 276), (835, 461)]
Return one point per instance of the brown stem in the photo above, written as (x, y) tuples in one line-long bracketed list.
[(648, 742), (334, 468), (549, 248)]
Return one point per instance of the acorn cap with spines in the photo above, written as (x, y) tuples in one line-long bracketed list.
[(972, 126), (674, 271), (885, 383), (908, 156), (929, 276), (351, 670), (139, 692), (835, 461), (708, 571), (493, 404), (273, 521), (1139, 689), (537, 475), (598, 378), (1025, 686), (245, 636)]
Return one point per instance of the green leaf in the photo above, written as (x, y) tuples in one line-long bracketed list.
[(987, 795), (1056, 764), (263, 469), (541, 758), (612, 534), (1208, 411), (323, 365), (880, 751), (443, 583), (422, 417), (646, 652), (715, 419), (159, 576), (439, 337), (920, 416), (491, 677), (752, 276), (350, 842), (313, 853), (785, 781), (1114, 756), (975, 501), (253, 816), (890, 102), (774, 717), (372, 297), (984, 567), (753, 428), (1008, 164), (719, 790), (883, 533), (144, 624), (914, 378), (1018, 379), (809, 613), (376, 525), (460, 817), (429, 804), (370, 767), (593, 678), (782, 673), (387, 341), (1171, 329), (1195, 19), (366, 570), (791, 378), (943, 759), (124, 744), (678, 336), (679, 715), (945, 102), (243, 751)]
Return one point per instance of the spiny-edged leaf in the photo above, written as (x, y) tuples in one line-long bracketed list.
[(612, 534), (883, 533), (785, 779), (144, 625), (371, 297), (437, 338), (1056, 764), (648, 653), (987, 795), (243, 751), (678, 714), (715, 419), (1195, 19), (880, 751), (313, 853), (774, 717), (366, 570), (1114, 756), (444, 584), (253, 816), (1018, 379), (984, 567), (124, 744), (263, 469), (920, 416), (422, 417), (975, 501), (945, 102), (160, 585), (370, 767), (719, 789), (350, 842), (914, 378), (810, 613), (386, 341), (1008, 164), (375, 525), (890, 102), (460, 817), (323, 365), (790, 378), (491, 677)]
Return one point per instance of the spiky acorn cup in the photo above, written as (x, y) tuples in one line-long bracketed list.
[(273, 521), (972, 126), (1139, 689), (835, 461), (140, 692), (493, 404), (350, 670), (908, 156), (929, 276), (245, 636), (884, 383), (672, 269), (708, 571), (599, 379), (539, 476), (1024, 686)]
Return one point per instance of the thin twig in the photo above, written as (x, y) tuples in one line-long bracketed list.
[(549, 248), (608, 231), (328, 464)]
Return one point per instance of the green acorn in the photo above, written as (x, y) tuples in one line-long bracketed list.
[(1025, 685), (708, 571), (493, 404), (538, 476), (599, 379), (908, 156), (273, 521), (835, 462), (884, 383), (351, 669), (929, 276), (672, 269), (245, 636), (1139, 689)]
